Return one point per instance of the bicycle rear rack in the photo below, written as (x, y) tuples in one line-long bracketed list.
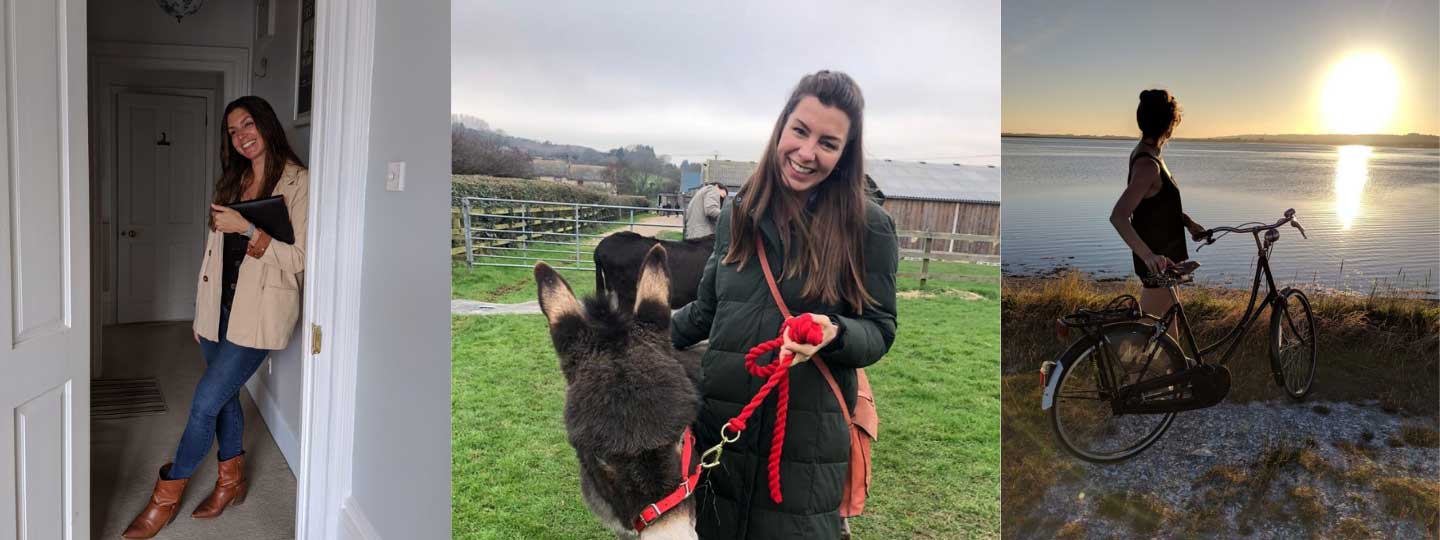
[(1123, 308)]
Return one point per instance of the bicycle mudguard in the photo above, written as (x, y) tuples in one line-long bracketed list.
[(1057, 371), (1052, 381)]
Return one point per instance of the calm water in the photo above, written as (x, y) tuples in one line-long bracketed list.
[(1375, 209)]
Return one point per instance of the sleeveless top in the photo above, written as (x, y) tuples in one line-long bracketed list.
[(1159, 219), (235, 247), (233, 254)]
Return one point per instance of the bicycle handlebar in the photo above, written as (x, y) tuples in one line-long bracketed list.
[(1209, 235)]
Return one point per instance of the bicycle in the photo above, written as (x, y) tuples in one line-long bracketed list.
[(1116, 389)]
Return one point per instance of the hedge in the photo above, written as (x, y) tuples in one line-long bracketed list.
[(533, 190)]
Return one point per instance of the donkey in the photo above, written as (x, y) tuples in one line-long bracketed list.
[(617, 265), (628, 398)]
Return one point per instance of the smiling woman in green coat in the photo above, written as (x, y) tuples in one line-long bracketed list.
[(834, 255)]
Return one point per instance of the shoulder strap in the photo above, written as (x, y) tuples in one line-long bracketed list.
[(1138, 155), (780, 302)]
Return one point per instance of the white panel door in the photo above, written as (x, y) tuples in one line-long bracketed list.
[(44, 272), (161, 218)]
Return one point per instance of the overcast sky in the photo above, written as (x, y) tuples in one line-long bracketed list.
[(693, 78), (1238, 68)]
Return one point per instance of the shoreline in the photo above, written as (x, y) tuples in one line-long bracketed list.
[(1380, 291), (1408, 141)]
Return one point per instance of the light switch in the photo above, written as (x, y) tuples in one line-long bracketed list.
[(395, 180)]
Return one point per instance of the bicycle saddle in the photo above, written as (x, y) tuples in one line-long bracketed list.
[(1176, 274), (1183, 268)]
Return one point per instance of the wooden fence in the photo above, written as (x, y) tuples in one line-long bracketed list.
[(928, 241), (968, 220), (526, 223)]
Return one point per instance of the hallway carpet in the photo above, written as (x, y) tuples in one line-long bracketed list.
[(126, 455)]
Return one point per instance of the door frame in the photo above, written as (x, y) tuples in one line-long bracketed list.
[(339, 158), (106, 60)]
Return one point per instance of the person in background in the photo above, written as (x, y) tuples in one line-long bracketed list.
[(704, 210)]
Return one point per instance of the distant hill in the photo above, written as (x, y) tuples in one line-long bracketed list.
[(538, 149), (1411, 140)]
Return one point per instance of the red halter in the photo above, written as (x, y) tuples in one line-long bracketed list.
[(803, 329), (687, 486)]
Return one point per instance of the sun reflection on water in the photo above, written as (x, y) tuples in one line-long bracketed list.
[(1351, 172)]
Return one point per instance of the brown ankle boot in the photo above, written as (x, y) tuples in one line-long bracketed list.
[(230, 488), (164, 504)]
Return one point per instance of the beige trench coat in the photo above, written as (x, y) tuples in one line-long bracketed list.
[(267, 294)]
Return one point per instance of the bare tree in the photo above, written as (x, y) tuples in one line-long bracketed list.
[(480, 152)]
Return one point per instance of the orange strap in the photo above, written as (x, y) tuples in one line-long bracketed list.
[(785, 311)]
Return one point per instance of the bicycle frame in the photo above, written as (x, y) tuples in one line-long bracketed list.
[(1176, 313), (1110, 383)]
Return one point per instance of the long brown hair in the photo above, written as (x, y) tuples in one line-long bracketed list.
[(234, 166), (830, 239)]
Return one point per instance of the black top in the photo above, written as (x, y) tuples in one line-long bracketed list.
[(1159, 219), (234, 254)]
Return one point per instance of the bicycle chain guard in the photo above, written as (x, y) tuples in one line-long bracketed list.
[(1202, 386)]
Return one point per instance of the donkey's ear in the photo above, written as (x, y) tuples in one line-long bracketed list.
[(654, 287), (557, 301)]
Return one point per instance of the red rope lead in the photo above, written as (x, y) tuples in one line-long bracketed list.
[(803, 329)]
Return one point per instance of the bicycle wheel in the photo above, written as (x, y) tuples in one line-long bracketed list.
[(1293, 343), (1081, 414)]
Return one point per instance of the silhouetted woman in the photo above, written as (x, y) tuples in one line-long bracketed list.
[(834, 255), (1149, 216), (247, 302)]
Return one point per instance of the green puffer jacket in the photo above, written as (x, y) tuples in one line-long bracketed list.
[(735, 312)]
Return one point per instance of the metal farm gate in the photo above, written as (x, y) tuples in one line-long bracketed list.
[(517, 233)]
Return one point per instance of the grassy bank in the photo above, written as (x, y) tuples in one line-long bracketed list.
[(1384, 350), (936, 464)]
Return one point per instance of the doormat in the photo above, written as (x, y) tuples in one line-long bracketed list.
[(114, 399)]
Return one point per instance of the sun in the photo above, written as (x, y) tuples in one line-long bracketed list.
[(1360, 94)]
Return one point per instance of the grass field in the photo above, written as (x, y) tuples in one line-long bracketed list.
[(937, 460)]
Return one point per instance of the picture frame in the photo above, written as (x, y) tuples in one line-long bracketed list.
[(264, 19), (305, 63)]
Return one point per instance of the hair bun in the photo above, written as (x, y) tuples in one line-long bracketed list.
[(1155, 95)]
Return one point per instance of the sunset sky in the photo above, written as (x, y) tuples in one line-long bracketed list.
[(696, 78), (1237, 68)]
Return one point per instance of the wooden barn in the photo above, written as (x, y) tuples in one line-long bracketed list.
[(940, 198), (932, 197)]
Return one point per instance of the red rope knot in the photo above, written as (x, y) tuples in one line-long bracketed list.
[(803, 329)]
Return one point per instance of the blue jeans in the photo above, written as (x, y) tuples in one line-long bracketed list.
[(215, 409)]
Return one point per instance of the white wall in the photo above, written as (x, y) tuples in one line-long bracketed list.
[(274, 57), (225, 23), (278, 386), (401, 467)]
